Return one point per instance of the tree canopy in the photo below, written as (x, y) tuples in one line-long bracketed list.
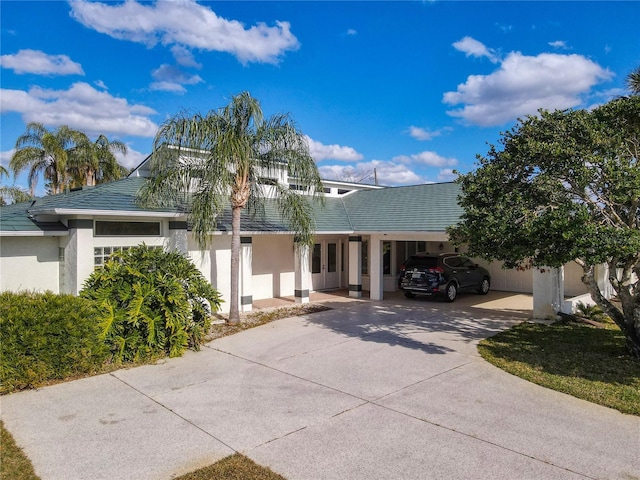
[(65, 158), (564, 186), (220, 160)]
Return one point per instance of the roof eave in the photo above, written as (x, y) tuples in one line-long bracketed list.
[(107, 213)]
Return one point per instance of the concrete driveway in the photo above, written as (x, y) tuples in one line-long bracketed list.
[(367, 390)]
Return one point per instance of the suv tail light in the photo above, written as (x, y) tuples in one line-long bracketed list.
[(436, 270)]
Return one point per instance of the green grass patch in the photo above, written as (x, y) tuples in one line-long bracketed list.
[(578, 359), (14, 464), (234, 467)]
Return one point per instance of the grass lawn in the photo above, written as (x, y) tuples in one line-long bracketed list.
[(234, 467), (575, 358), (14, 464)]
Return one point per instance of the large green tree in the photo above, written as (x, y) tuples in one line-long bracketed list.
[(11, 194), (564, 186), (95, 163), (217, 161), (46, 153), (633, 81), (65, 157)]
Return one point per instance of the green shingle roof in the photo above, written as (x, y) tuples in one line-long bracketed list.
[(419, 208)]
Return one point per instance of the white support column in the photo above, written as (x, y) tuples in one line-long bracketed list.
[(302, 274), (178, 237), (602, 277), (355, 267), (375, 274), (78, 255), (246, 274), (548, 291), (221, 268)]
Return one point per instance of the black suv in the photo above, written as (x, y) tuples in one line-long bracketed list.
[(448, 273)]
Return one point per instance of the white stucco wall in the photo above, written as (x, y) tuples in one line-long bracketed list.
[(29, 263), (200, 258), (273, 266), (508, 280), (573, 285), (221, 267)]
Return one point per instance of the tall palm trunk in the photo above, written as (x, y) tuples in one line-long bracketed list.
[(234, 312)]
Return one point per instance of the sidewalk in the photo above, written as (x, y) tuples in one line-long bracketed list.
[(367, 390)]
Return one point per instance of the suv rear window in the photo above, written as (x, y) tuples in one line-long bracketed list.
[(419, 261)]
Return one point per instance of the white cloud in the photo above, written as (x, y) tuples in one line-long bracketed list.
[(170, 78), (321, 152), (522, 85), (82, 107), (446, 175), (187, 24), (423, 134), (5, 157), (388, 173), (473, 48), (431, 159), (35, 61), (133, 158), (352, 32), (559, 44), (184, 57), (100, 84)]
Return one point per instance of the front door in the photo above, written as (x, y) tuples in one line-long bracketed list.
[(325, 265)]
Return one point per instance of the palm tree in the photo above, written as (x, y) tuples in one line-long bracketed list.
[(11, 194), (633, 81), (95, 163), (216, 161), (47, 153)]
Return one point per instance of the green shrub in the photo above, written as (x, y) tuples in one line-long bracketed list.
[(152, 303), (46, 337)]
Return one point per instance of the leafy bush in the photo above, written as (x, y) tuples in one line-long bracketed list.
[(592, 312), (46, 337), (152, 302)]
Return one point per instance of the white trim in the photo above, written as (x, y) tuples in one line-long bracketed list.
[(106, 213), (26, 233)]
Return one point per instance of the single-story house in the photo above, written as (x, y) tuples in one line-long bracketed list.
[(363, 235)]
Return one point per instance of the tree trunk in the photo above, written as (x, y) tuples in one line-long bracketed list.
[(234, 311), (623, 319)]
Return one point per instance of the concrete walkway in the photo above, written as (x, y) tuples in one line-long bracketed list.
[(368, 390)]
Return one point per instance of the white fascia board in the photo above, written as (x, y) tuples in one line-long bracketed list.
[(436, 236), (34, 234), (249, 233), (108, 213)]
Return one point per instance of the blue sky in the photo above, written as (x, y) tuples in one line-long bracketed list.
[(413, 90)]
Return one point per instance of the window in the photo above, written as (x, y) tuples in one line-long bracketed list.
[(386, 258), (316, 260), (365, 257), (332, 257), (127, 229), (267, 181), (102, 254), (342, 191)]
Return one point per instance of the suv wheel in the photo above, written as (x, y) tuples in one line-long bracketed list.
[(409, 295), (484, 287), (451, 292)]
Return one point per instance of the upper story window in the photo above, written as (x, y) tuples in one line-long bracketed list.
[(267, 181), (126, 229)]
